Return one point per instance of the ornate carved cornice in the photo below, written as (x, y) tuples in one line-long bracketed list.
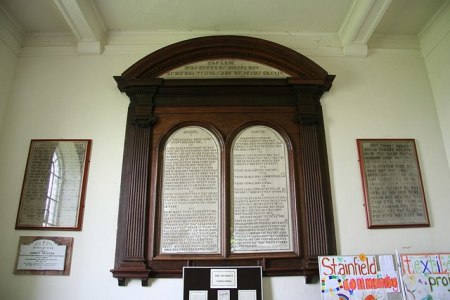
[(144, 122), (230, 47), (309, 119)]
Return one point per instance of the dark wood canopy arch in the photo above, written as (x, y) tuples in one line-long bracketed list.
[(229, 47), (159, 105)]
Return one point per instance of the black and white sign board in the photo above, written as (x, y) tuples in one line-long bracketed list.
[(222, 283)]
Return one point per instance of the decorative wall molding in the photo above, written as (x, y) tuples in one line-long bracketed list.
[(438, 27), (10, 32), (89, 35), (359, 25), (86, 24), (142, 43)]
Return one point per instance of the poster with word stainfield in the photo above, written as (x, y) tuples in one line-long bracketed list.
[(426, 276), (364, 277)]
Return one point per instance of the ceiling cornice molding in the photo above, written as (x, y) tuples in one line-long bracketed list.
[(10, 33), (435, 30), (389, 41), (360, 23), (49, 51), (120, 42), (143, 43), (86, 24)]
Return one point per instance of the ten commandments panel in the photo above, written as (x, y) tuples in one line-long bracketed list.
[(191, 201), (261, 211), (191, 193)]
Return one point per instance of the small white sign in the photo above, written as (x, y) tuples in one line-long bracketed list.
[(223, 278), (223, 295), (246, 295), (198, 295), (42, 255)]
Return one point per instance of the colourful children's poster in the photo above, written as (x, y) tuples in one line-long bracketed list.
[(426, 276), (364, 277)]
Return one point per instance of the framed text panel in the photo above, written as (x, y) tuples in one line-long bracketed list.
[(54, 185), (261, 199), (392, 182), (191, 206), (44, 255)]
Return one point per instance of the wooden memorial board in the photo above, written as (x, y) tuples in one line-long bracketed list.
[(222, 86), (392, 182)]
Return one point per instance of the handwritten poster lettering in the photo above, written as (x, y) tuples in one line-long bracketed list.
[(359, 277), (426, 276)]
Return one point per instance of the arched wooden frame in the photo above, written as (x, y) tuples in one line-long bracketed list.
[(155, 107), (222, 162)]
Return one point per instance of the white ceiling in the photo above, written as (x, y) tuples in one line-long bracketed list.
[(91, 23)]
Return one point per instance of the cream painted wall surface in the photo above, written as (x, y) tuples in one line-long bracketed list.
[(381, 96), (438, 65), (8, 62)]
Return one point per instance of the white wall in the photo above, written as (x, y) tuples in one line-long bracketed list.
[(8, 62), (381, 96), (438, 65)]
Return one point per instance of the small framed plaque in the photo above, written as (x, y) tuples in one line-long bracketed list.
[(392, 183), (54, 185), (41, 255)]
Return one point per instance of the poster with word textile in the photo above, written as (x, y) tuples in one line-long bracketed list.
[(426, 276), (364, 277)]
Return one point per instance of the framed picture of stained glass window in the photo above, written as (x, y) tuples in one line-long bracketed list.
[(54, 185)]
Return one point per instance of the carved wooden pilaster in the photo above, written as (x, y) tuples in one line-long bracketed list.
[(317, 199), (131, 247)]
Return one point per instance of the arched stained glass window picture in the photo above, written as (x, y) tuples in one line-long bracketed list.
[(54, 185)]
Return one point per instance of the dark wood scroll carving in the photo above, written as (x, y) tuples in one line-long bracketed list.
[(155, 102)]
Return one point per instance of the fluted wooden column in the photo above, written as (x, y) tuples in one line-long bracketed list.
[(317, 199), (131, 245)]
